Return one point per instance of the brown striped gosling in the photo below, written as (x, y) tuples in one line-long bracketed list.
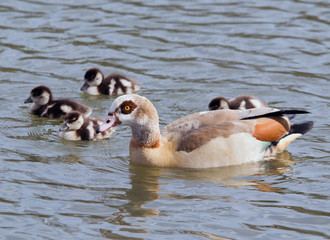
[(240, 102), (77, 127), (43, 104), (113, 84)]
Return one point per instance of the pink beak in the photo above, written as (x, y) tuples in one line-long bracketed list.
[(110, 121)]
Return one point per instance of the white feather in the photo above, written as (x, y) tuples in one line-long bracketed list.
[(46, 109), (91, 130), (120, 91), (92, 90), (112, 87), (256, 103), (242, 105), (66, 108), (126, 83)]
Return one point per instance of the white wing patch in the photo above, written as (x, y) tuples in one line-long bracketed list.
[(242, 105), (112, 87), (126, 83), (91, 130), (66, 108), (44, 113), (256, 103), (120, 91)]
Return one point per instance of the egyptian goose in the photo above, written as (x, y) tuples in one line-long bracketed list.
[(113, 84), (240, 102), (203, 139), (43, 104), (77, 127)]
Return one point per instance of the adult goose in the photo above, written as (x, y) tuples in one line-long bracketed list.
[(203, 139)]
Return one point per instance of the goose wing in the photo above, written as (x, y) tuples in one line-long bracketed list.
[(195, 130)]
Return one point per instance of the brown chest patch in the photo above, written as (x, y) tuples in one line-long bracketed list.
[(136, 144)]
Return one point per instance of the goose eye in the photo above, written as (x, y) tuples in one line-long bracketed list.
[(127, 107)]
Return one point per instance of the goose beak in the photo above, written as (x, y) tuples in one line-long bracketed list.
[(85, 86), (28, 100), (110, 122), (64, 127)]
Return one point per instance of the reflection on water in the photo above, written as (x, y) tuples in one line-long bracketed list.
[(144, 189), (146, 183), (183, 55), (240, 175)]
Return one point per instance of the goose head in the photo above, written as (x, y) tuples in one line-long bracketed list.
[(138, 113), (72, 121), (93, 77), (218, 103), (40, 95)]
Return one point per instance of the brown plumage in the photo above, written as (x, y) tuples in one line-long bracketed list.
[(204, 139), (77, 127), (240, 102), (43, 104), (113, 84)]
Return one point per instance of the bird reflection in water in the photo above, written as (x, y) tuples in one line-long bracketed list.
[(145, 186)]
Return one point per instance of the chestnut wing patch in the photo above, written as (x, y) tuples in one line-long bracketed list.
[(270, 129)]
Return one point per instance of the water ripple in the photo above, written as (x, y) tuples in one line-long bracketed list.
[(183, 55)]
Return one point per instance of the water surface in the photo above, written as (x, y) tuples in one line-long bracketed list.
[(183, 54)]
